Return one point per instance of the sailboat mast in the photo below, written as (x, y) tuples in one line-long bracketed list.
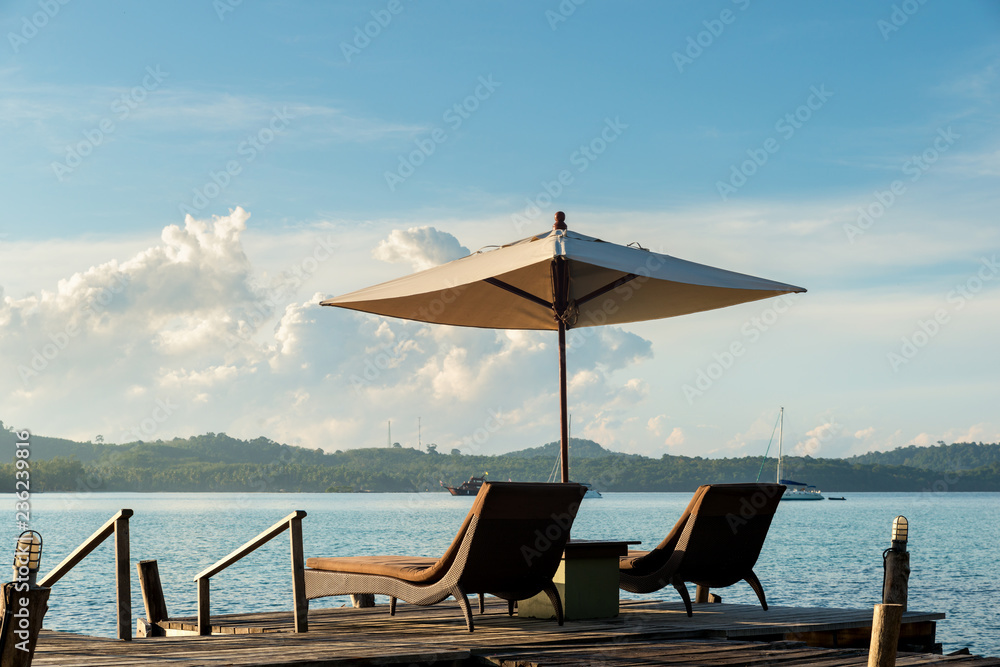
[(781, 426)]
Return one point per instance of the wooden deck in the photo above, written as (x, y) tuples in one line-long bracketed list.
[(645, 633)]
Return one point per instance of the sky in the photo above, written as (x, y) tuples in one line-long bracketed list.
[(182, 183)]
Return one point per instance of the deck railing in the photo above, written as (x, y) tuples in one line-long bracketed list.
[(293, 523), (118, 524)]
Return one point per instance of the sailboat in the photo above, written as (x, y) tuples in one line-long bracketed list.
[(795, 490), (553, 476)]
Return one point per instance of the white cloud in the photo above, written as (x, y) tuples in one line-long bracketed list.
[(420, 247), (675, 439), (167, 109), (223, 321), (190, 322), (922, 440), (656, 424), (981, 432), (817, 440)]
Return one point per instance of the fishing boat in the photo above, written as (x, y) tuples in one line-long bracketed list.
[(795, 490), (469, 488)]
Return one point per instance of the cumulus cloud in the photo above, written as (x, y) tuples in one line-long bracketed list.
[(420, 247), (922, 440), (656, 424), (216, 327), (817, 439), (981, 432), (188, 336), (675, 439)]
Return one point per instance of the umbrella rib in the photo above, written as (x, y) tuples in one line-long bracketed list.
[(519, 292), (607, 288)]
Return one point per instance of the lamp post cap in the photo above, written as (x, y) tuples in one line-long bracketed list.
[(560, 221)]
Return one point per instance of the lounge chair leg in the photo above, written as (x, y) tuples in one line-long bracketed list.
[(510, 607), (757, 588), (482, 603), (392, 606), (463, 600), (553, 594), (682, 589)]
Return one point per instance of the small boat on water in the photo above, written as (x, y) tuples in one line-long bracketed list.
[(800, 491), (469, 488), (795, 490), (472, 486)]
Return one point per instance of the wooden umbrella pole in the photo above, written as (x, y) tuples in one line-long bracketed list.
[(560, 305), (563, 428)]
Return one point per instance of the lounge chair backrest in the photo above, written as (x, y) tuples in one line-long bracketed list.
[(658, 557), (520, 532), (725, 531)]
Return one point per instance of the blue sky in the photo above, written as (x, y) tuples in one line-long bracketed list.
[(314, 159)]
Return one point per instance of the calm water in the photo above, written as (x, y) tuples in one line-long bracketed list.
[(823, 554)]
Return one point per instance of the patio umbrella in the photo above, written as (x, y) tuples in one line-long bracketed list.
[(559, 280)]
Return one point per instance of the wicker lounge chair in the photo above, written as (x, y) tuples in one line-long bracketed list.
[(510, 546), (714, 544)]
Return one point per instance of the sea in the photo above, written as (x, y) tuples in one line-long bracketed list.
[(822, 554)]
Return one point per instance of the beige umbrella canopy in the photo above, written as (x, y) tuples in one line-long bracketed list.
[(559, 280)]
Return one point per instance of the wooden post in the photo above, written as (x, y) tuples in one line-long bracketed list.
[(701, 594), (18, 644), (204, 616), (123, 580), (363, 600), (897, 576), (301, 604), (152, 597), (885, 635)]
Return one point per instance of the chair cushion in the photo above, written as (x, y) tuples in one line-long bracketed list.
[(631, 561), (414, 569)]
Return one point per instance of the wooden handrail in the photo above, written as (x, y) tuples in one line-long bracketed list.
[(252, 545), (117, 525), (292, 523)]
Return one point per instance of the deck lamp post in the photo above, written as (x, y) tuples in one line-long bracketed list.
[(27, 557), (888, 616), (22, 603)]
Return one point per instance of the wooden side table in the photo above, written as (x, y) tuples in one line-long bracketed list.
[(587, 581)]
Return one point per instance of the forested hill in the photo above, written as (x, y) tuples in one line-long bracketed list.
[(218, 462), (578, 448), (958, 456)]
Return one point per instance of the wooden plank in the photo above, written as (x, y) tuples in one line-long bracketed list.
[(152, 595), (250, 546), (84, 549), (644, 634)]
